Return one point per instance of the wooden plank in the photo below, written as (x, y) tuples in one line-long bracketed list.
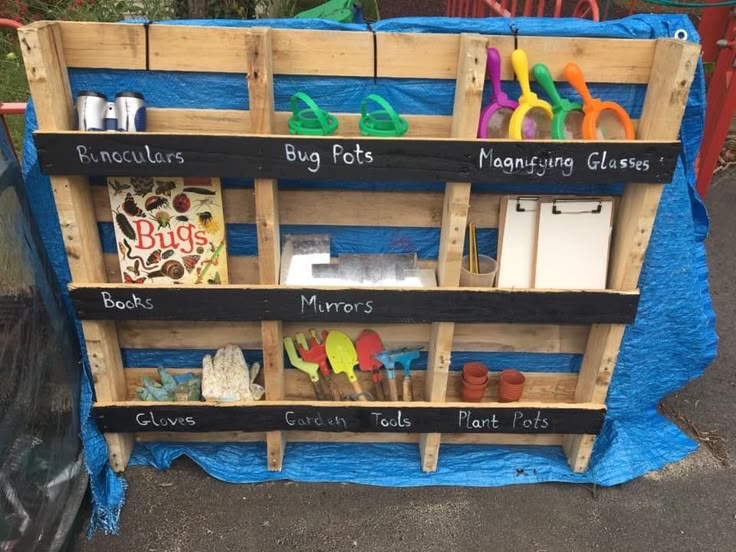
[(177, 120), (544, 338), (383, 159), (104, 45), (331, 416), (341, 53), (258, 54), (469, 80), (601, 60), (543, 387), (669, 86), (507, 439), (49, 83), (403, 305), (340, 208)]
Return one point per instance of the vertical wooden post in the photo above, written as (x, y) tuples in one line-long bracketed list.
[(673, 68), (471, 70), (260, 92), (43, 55)]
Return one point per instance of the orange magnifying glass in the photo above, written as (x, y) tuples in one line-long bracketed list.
[(603, 120)]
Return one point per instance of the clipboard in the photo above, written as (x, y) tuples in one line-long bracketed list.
[(573, 243), (517, 240)]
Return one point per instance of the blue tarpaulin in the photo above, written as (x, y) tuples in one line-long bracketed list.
[(672, 341)]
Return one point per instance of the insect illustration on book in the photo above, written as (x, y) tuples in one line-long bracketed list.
[(118, 187), (169, 230)]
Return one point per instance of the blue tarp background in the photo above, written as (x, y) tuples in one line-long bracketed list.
[(672, 341)]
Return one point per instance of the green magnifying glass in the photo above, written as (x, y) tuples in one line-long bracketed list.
[(567, 122)]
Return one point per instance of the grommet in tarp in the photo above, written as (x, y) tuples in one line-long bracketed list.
[(384, 122), (312, 121), (681, 34)]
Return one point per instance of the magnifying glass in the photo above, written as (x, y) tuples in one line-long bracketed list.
[(567, 123), (495, 117), (533, 117), (603, 120)]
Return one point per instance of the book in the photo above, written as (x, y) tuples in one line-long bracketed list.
[(169, 230)]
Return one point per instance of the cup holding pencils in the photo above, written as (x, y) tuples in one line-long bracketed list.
[(476, 270)]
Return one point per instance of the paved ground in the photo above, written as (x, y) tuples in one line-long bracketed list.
[(689, 506)]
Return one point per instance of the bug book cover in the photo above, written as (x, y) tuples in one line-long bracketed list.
[(169, 230)]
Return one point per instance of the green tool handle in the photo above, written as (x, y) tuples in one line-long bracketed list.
[(544, 78), (390, 111), (313, 107)]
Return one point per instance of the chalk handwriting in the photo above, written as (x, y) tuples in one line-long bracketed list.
[(144, 419), (314, 304), (133, 303), (146, 156)]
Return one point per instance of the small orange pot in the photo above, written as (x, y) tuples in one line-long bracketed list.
[(510, 385), (473, 395), (475, 372)]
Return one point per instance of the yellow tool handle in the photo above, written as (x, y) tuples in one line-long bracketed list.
[(520, 63), (407, 389)]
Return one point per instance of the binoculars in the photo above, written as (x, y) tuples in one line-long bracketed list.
[(127, 113)]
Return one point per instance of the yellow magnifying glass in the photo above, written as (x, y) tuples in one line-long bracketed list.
[(533, 118)]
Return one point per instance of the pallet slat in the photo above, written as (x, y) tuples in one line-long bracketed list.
[(236, 121), (381, 159), (377, 417), (104, 45), (369, 305), (340, 208), (322, 437), (532, 338)]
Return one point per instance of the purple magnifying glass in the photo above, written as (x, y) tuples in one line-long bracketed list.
[(495, 117)]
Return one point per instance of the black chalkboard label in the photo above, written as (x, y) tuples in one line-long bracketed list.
[(406, 418), (325, 158), (242, 303)]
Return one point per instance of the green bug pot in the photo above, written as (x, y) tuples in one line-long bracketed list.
[(311, 121), (384, 122)]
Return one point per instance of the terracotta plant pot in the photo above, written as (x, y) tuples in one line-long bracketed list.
[(475, 372), (473, 392), (473, 395), (510, 385)]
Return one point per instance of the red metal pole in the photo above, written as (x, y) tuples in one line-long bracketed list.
[(720, 104)]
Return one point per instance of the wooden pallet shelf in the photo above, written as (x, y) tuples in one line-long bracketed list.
[(255, 312)]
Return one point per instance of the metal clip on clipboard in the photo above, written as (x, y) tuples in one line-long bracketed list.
[(557, 211)]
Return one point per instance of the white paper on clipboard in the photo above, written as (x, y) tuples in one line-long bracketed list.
[(516, 241), (573, 243)]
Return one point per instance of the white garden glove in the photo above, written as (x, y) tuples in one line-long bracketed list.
[(226, 378)]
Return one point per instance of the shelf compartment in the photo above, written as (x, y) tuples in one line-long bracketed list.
[(369, 305), (383, 159), (544, 387), (330, 416)]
